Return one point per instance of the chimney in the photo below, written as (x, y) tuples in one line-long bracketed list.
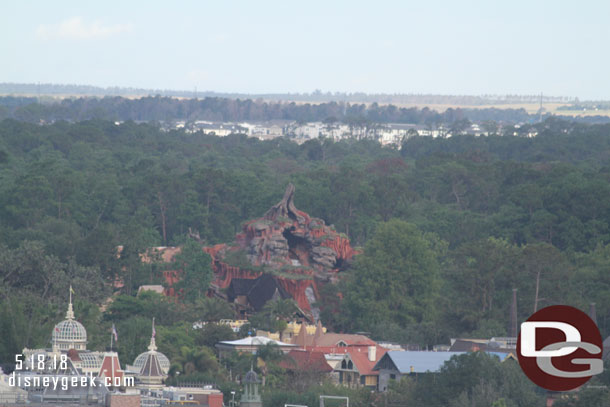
[(372, 353), (513, 316), (592, 313)]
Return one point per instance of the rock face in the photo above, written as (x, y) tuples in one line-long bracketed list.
[(299, 251)]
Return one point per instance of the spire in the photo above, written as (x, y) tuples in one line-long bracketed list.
[(70, 312), (153, 346), (319, 333), (592, 313), (301, 338), (513, 316)]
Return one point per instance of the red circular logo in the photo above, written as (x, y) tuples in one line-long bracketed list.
[(560, 348)]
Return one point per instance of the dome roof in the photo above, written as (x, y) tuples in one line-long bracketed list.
[(143, 357), (69, 331), (152, 356), (152, 366), (251, 377)]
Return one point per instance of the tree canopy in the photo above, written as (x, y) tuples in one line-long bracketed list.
[(447, 228)]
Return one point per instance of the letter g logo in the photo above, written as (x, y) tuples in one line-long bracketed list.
[(555, 344)]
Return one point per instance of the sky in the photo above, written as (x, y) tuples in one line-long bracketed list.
[(449, 47)]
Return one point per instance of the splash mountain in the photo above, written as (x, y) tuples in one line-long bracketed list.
[(284, 254)]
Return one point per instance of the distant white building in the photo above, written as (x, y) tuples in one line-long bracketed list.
[(388, 134), (308, 130), (219, 129), (267, 130)]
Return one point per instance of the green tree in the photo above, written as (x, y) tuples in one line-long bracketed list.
[(481, 271), (148, 304), (268, 357), (274, 315), (396, 279), (547, 269), (480, 380), (195, 266), (209, 310), (193, 360), (591, 283), (211, 334)]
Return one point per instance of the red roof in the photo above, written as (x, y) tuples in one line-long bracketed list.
[(111, 366), (73, 354), (306, 360), (363, 364)]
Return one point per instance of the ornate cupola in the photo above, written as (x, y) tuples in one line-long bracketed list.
[(152, 365), (69, 334), (251, 396)]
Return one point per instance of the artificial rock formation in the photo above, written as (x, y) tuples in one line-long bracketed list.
[(299, 251)]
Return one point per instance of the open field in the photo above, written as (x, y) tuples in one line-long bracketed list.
[(580, 113), (531, 108)]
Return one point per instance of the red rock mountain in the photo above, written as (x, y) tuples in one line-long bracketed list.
[(285, 253)]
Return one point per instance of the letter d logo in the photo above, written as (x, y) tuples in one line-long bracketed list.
[(559, 348), (528, 338)]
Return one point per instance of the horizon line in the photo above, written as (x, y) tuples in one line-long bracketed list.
[(95, 90)]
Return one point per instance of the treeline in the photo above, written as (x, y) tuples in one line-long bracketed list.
[(315, 96), (464, 220), (169, 109), (556, 141)]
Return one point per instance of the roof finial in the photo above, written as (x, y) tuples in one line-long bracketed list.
[(70, 312), (153, 346)]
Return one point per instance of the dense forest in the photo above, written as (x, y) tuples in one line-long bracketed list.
[(447, 228), (168, 109)]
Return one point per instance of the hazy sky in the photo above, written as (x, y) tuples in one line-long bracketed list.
[(256, 46)]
